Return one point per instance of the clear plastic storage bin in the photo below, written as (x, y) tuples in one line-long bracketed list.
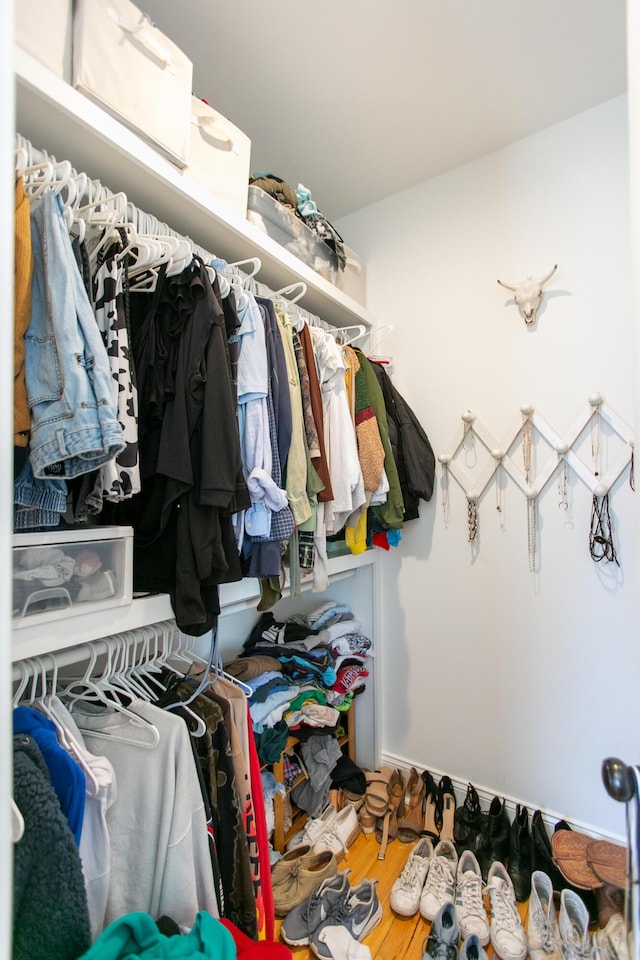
[(353, 279), (290, 232), (66, 572)]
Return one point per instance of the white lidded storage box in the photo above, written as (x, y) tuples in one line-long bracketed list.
[(219, 156), (44, 29), (128, 66), (65, 572), (353, 279), (290, 232)]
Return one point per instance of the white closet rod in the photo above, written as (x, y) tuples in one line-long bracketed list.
[(166, 630)]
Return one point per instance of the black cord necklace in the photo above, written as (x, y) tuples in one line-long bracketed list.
[(601, 545)]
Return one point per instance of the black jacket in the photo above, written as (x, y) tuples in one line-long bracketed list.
[(412, 450)]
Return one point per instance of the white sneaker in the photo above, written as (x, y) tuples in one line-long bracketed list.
[(470, 910), (508, 937), (573, 923), (313, 829), (407, 889), (339, 833), (440, 885), (542, 924), (613, 941)]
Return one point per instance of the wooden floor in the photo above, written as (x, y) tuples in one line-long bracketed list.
[(395, 938)]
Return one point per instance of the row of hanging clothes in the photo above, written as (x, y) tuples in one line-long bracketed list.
[(232, 430), (137, 788)]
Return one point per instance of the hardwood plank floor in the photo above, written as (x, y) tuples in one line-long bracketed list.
[(395, 938)]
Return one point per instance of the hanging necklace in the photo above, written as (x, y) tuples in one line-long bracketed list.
[(595, 435), (563, 501), (527, 438), (532, 529), (444, 462), (601, 546), (472, 518)]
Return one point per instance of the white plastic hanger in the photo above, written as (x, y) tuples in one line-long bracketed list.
[(340, 333)]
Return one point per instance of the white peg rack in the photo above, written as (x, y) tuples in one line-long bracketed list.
[(562, 450)]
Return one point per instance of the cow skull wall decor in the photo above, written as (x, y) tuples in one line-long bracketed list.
[(528, 294)]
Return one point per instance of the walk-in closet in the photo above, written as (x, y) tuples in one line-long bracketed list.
[(395, 252)]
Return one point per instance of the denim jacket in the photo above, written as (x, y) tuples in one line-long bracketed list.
[(74, 424)]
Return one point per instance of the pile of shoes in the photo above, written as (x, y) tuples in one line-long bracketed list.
[(334, 918)]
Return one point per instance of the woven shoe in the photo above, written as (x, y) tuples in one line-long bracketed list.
[(470, 910), (304, 876), (359, 913), (305, 919), (407, 889), (613, 942), (314, 828), (440, 885), (472, 949), (508, 937), (573, 923), (442, 942), (542, 924)]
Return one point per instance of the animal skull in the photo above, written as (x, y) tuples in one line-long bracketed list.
[(528, 294)]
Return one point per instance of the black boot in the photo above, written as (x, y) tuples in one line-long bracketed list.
[(494, 840), (519, 868), (541, 859), (468, 822)]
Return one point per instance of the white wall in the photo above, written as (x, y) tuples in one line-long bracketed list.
[(519, 683)]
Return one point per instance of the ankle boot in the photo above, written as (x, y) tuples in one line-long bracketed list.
[(468, 821), (519, 868), (494, 842)]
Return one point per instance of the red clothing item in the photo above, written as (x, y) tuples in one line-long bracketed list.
[(266, 915), (248, 949)]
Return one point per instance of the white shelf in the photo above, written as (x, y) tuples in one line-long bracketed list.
[(56, 117), (40, 638)]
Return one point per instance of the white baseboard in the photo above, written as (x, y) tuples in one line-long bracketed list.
[(486, 795)]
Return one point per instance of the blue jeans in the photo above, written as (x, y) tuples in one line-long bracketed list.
[(74, 424)]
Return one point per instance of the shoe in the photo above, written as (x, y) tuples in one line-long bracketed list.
[(440, 885), (442, 942), (494, 839), (519, 867), (338, 943), (340, 834), (470, 910), (304, 876), (430, 828), (508, 937), (610, 900), (411, 822), (573, 923), (407, 889), (613, 941), (472, 949), (446, 808), (543, 935), (387, 828), (359, 913), (304, 920), (282, 869), (314, 828), (468, 821)]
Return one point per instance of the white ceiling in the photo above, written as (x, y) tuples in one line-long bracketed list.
[(358, 99)]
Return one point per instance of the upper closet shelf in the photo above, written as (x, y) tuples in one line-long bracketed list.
[(59, 119)]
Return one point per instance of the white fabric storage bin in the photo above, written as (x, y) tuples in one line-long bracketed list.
[(128, 66), (353, 279), (43, 28), (219, 156), (290, 232), (66, 572)]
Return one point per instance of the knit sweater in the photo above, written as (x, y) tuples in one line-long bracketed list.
[(50, 915)]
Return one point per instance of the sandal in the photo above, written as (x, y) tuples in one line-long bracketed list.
[(377, 796), (411, 822), (387, 829), (430, 828), (447, 805)]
